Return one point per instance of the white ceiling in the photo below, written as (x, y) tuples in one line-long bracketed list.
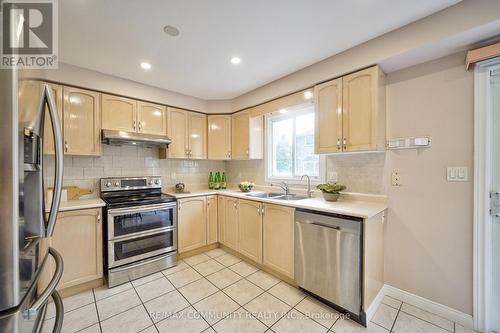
[(272, 38)]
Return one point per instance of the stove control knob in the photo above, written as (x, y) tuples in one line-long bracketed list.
[(150, 182), (157, 181), (108, 184), (117, 184)]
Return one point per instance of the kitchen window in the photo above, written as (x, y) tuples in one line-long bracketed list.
[(290, 145)]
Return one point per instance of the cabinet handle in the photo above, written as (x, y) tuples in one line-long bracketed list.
[(179, 207), (338, 144), (99, 218), (263, 211), (140, 124), (247, 152), (345, 143), (229, 154), (134, 125), (258, 211), (66, 146)]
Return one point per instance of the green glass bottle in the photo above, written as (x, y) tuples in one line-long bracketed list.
[(217, 181), (223, 183), (211, 181)]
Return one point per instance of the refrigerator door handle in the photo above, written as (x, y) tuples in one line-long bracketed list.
[(59, 158), (33, 311), (59, 312)]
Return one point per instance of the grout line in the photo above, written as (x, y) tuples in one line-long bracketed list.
[(427, 320), (144, 306), (97, 310), (396, 318)]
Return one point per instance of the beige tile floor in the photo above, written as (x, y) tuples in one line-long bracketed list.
[(217, 292)]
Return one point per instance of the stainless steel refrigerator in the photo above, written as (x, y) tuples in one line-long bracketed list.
[(24, 223)]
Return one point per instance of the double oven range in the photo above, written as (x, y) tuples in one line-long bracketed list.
[(140, 228)]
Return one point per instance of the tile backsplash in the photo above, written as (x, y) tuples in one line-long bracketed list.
[(85, 171)]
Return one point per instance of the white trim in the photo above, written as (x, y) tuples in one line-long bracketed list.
[(427, 305), (482, 186), (370, 312)]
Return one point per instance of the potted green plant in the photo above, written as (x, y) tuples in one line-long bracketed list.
[(246, 186), (331, 191)]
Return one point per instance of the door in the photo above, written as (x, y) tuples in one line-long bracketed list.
[(212, 219), (151, 118), (328, 117), (221, 209), (240, 136), (359, 110), (78, 238), (82, 122), (278, 238), (192, 223), (231, 223), (118, 113), (197, 135), (250, 229), (219, 137), (177, 131), (494, 309)]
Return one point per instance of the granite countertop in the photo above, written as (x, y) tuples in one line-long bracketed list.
[(350, 207), (78, 204)]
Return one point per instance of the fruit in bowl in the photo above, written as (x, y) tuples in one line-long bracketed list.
[(246, 186)]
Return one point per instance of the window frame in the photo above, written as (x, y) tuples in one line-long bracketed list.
[(292, 112)]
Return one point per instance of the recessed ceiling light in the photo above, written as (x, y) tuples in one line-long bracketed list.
[(283, 111), (171, 30), (235, 60), (308, 94), (145, 65)]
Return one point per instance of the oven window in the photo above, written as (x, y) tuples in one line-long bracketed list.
[(144, 221), (137, 246)]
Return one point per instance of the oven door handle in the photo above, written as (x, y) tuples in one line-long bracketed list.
[(119, 211), (141, 234)]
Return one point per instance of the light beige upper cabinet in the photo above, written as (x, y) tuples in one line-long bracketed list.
[(250, 229), (119, 113), (212, 219), (82, 121), (29, 98), (78, 238), (192, 223), (197, 135), (231, 223), (188, 131), (350, 113), (247, 136), (219, 137), (328, 101), (151, 118), (278, 238)]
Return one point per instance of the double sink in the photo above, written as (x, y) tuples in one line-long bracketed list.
[(277, 196)]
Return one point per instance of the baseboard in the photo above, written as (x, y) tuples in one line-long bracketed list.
[(428, 305), (370, 312)]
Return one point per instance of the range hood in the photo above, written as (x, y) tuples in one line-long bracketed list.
[(113, 137)]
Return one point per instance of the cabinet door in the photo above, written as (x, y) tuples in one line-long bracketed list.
[(192, 223), (29, 98), (240, 136), (212, 219), (278, 238), (118, 113), (82, 122), (231, 223), (250, 229), (177, 131), (359, 107), (151, 118), (78, 237), (219, 137), (221, 209), (197, 135), (328, 117)]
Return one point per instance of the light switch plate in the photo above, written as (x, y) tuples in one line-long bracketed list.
[(457, 174)]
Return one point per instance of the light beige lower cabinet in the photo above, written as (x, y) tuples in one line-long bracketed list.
[(78, 238), (192, 223), (278, 238), (231, 223), (250, 229), (212, 214), (221, 213)]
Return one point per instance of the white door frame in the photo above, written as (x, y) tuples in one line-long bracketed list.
[(482, 187)]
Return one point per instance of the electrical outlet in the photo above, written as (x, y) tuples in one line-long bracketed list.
[(333, 176), (395, 179)]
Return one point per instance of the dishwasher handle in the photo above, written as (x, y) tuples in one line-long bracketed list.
[(336, 227)]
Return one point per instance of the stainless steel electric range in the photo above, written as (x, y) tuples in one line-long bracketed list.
[(140, 228)]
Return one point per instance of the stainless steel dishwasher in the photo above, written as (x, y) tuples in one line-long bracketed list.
[(328, 258)]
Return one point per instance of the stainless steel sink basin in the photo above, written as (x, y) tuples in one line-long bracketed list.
[(264, 195), (290, 197)]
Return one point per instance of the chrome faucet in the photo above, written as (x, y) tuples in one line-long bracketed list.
[(309, 192), (284, 186)]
